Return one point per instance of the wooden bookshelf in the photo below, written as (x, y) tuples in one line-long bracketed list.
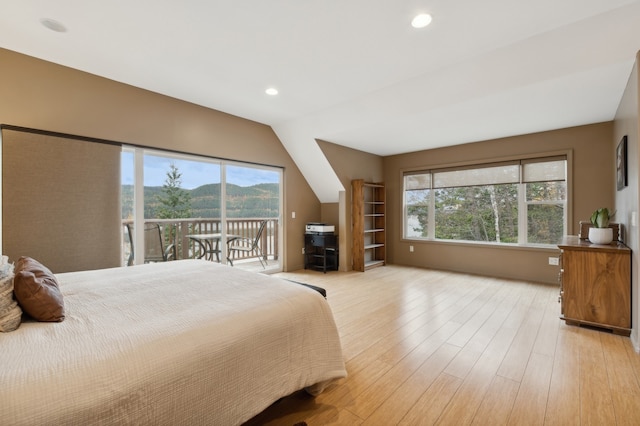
[(369, 224)]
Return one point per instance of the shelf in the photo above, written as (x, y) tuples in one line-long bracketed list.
[(368, 214), (372, 246), (373, 263)]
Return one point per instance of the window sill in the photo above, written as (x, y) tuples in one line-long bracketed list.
[(485, 244)]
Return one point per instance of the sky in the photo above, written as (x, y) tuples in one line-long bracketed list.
[(194, 173)]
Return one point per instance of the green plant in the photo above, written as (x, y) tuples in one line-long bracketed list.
[(600, 218)]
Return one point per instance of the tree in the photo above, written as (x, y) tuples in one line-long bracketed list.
[(477, 213), (175, 202)]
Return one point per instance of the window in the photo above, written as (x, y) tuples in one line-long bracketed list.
[(417, 202), (517, 202), (190, 195), (546, 194)]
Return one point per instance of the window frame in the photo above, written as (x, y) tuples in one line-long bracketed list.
[(139, 153), (566, 155)]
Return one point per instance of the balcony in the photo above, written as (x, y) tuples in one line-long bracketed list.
[(176, 231)]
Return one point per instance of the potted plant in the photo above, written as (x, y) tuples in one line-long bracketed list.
[(600, 233)]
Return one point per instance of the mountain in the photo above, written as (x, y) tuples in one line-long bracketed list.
[(260, 200)]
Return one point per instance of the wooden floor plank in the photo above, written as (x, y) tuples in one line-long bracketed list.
[(634, 359), (383, 388), (462, 364), (468, 356), (596, 404), (563, 404), (447, 312), (475, 322), (546, 340), (497, 404), (432, 403), (624, 388), (516, 359), (398, 404), (463, 405), (481, 339), (531, 402)]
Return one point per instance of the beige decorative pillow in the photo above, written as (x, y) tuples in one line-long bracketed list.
[(10, 312), (37, 292)]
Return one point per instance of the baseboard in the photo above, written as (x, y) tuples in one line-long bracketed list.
[(634, 341)]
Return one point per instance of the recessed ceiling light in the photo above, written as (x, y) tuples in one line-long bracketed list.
[(53, 25), (421, 21), (272, 91)]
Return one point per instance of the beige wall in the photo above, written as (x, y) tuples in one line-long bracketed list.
[(330, 214), (593, 176), (626, 203), (348, 164), (46, 96)]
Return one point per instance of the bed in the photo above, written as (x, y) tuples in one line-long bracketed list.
[(184, 342)]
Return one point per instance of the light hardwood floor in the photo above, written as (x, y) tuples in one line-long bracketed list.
[(429, 347)]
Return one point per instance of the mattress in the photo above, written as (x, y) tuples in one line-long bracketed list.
[(184, 342)]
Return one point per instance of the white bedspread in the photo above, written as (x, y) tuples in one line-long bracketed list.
[(187, 342)]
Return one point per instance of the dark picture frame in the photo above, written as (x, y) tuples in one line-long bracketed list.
[(621, 163)]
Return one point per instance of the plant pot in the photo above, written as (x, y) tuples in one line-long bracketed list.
[(601, 235)]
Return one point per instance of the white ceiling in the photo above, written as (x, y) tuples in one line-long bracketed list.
[(353, 72)]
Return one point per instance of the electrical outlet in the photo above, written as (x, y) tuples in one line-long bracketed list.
[(411, 249), (553, 261)]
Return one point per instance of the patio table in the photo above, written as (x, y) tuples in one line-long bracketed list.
[(210, 244)]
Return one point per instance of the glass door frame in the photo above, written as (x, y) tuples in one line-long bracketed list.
[(138, 201)]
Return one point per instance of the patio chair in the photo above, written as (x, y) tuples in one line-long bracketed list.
[(129, 229), (249, 246), (153, 245), (154, 249)]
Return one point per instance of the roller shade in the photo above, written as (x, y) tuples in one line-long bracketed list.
[(61, 201), (547, 169), (544, 170), (489, 175), (414, 182)]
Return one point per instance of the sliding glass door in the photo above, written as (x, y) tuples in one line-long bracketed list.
[(177, 207), (252, 213)]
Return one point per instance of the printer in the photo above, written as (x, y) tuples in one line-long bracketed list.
[(319, 228)]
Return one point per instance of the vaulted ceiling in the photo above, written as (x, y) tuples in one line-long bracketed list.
[(354, 73)]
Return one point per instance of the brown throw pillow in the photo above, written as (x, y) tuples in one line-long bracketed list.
[(37, 292)]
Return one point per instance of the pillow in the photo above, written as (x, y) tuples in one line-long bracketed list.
[(10, 312), (37, 292)]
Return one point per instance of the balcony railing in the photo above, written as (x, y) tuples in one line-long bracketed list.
[(176, 231)]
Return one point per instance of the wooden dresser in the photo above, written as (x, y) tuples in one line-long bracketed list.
[(595, 284)]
